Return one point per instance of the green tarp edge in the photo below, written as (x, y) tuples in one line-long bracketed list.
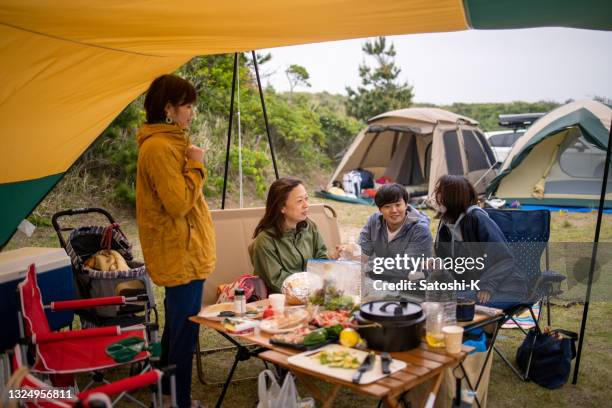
[(589, 124), (508, 14), (19, 199)]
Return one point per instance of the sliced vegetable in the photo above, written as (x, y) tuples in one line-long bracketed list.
[(338, 359)]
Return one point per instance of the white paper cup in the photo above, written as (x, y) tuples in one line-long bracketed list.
[(453, 336), (277, 300)]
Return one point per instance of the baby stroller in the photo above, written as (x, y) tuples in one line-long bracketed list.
[(82, 244)]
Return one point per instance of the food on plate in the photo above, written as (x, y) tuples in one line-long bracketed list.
[(298, 286), (349, 337), (295, 338), (269, 312), (307, 338), (239, 326), (331, 298), (331, 318), (338, 359), (292, 317)]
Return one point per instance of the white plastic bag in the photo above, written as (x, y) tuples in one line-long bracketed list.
[(275, 396)]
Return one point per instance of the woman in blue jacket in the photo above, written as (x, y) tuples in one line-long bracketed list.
[(466, 231)]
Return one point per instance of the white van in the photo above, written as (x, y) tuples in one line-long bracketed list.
[(501, 141)]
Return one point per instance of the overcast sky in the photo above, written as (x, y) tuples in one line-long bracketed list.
[(469, 66)]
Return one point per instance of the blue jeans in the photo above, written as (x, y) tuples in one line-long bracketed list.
[(180, 336)]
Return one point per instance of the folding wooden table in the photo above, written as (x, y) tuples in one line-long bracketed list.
[(423, 363)]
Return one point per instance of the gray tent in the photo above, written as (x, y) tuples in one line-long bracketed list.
[(416, 146)]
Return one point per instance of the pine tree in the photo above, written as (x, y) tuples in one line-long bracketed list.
[(380, 91), (297, 75)]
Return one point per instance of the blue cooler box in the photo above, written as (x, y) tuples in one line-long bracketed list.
[(54, 278)]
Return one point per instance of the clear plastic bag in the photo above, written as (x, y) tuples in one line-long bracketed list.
[(276, 396), (344, 275)]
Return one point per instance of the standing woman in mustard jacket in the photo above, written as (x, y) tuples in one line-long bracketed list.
[(174, 223)]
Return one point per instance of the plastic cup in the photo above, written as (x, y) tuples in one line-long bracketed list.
[(277, 300), (433, 325), (453, 336)]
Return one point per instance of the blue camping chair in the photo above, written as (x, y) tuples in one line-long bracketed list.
[(528, 233)]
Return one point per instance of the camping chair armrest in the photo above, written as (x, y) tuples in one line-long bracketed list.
[(87, 303), (51, 337), (126, 385)]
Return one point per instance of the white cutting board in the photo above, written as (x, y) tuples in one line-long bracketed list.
[(306, 361)]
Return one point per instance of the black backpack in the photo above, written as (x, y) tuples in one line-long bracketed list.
[(551, 356)]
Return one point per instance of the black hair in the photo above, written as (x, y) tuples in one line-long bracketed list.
[(166, 89), (456, 193), (391, 193), (277, 198)]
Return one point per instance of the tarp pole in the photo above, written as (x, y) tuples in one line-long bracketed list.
[(265, 115), (585, 311), (229, 130)]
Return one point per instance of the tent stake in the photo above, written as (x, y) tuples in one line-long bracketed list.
[(585, 311)]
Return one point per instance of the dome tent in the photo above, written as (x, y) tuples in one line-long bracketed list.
[(417, 146), (559, 161)]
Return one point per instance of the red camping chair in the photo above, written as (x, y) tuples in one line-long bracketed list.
[(75, 351), (100, 397)]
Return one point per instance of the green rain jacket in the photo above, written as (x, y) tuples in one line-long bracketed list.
[(275, 259)]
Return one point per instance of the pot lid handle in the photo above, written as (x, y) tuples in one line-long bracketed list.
[(398, 309)]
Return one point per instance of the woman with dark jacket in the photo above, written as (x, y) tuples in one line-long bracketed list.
[(466, 231)]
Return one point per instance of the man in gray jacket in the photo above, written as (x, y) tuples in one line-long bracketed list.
[(397, 229)]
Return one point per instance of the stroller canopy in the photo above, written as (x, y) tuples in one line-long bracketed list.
[(417, 146), (69, 67)]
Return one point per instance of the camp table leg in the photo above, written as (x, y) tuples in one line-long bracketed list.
[(431, 399), (469, 383), (391, 401), (201, 353), (491, 345), (499, 321)]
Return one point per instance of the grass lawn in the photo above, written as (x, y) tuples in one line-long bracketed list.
[(505, 390)]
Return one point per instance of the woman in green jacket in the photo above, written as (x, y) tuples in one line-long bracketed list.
[(285, 238)]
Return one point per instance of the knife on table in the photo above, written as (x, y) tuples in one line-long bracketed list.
[(366, 365), (385, 361)]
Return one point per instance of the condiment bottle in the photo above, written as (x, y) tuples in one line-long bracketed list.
[(239, 301)]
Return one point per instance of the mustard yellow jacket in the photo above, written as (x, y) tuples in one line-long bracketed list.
[(174, 223)]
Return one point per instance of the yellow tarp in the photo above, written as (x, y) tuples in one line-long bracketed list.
[(69, 67)]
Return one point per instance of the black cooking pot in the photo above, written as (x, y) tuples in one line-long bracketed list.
[(391, 325)]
